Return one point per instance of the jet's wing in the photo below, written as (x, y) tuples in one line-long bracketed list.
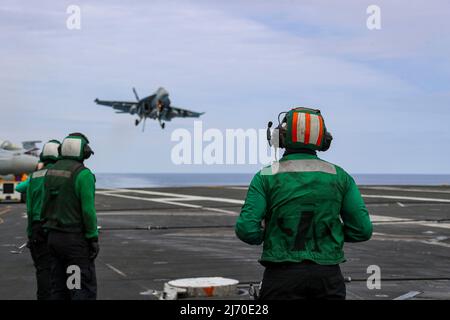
[(183, 113), (121, 106), (32, 152)]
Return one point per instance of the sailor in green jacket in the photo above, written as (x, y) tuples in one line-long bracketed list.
[(71, 220), (303, 209), (36, 234), (22, 187)]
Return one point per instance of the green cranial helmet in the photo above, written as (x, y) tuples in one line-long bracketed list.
[(50, 151), (76, 147), (304, 128)]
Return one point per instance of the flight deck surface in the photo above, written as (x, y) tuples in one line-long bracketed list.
[(151, 236)]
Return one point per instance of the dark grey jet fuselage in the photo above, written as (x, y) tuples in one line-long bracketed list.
[(157, 106)]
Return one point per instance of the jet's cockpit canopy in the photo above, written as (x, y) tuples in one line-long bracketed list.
[(26, 145), (7, 145)]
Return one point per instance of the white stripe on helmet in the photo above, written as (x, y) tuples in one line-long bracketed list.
[(314, 129), (50, 149), (71, 147), (301, 127)]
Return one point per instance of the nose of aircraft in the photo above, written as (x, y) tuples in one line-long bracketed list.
[(24, 164), (29, 162)]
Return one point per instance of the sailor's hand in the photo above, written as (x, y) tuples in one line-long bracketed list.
[(38, 234), (93, 248)]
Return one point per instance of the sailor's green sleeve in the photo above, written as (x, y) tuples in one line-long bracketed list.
[(29, 208), (85, 189), (248, 226), (22, 187), (357, 224)]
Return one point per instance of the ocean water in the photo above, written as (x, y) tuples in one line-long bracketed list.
[(142, 180)]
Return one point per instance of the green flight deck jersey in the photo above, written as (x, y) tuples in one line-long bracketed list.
[(70, 199), (35, 196), (22, 187), (310, 207)]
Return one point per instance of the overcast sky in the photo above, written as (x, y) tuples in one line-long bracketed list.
[(384, 93)]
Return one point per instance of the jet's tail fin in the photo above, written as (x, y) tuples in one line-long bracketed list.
[(29, 145), (135, 94)]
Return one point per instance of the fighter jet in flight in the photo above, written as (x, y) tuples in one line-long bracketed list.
[(157, 106), (18, 159)]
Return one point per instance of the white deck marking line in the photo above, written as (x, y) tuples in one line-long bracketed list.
[(385, 220), (418, 223), (157, 213), (6, 210), (176, 199), (155, 193), (178, 195), (235, 201), (433, 242), (401, 204), (405, 198), (149, 199), (405, 189), (377, 204), (377, 218), (237, 188), (408, 295), (116, 270), (437, 225), (179, 204), (172, 202), (169, 198), (165, 200), (233, 213), (428, 205)]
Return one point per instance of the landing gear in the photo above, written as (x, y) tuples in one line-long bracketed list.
[(162, 124), (23, 198), (138, 121)]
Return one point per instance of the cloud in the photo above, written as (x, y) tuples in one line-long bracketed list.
[(240, 61)]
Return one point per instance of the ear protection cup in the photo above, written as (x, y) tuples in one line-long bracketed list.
[(278, 136), (327, 141), (282, 135), (87, 151), (274, 138)]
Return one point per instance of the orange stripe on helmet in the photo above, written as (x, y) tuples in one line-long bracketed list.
[(307, 127), (294, 126), (319, 138)]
